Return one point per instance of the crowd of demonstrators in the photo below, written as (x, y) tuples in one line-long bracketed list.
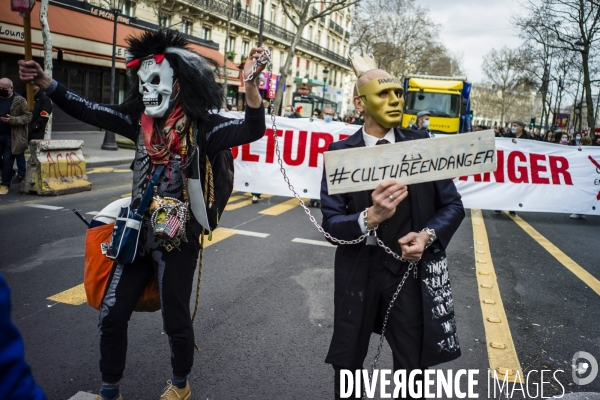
[(14, 120)]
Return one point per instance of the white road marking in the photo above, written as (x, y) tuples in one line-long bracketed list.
[(83, 396), (92, 213), (315, 242), (53, 208), (249, 233)]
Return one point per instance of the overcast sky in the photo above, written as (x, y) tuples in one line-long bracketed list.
[(471, 28)]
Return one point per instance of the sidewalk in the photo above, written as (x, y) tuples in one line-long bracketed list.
[(94, 155)]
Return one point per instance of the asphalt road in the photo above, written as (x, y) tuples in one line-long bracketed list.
[(266, 305)]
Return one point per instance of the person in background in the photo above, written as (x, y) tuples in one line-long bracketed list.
[(586, 141), (288, 112), (327, 114), (536, 134), (16, 380), (517, 130), (564, 139), (422, 121), (337, 117), (42, 109), (549, 137), (14, 119), (576, 141), (497, 132)]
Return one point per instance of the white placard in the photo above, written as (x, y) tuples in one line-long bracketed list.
[(410, 162)]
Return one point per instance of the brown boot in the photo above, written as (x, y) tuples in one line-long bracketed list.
[(172, 392)]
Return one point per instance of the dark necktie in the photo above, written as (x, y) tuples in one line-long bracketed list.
[(382, 141)]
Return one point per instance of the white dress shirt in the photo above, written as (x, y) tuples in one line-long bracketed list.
[(372, 141)]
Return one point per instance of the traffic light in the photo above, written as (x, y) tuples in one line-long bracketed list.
[(230, 91), (471, 114), (532, 122)]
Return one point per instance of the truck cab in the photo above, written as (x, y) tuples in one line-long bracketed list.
[(446, 98)]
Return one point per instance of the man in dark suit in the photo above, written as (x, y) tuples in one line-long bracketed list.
[(416, 221)]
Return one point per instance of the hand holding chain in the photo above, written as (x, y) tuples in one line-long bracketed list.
[(263, 59)]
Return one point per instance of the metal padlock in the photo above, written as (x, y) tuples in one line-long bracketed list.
[(372, 238)]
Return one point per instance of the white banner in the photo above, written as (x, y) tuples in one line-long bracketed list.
[(531, 175)]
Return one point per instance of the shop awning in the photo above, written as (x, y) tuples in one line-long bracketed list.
[(82, 35)]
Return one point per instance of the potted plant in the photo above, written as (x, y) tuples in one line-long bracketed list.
[(230, 55)]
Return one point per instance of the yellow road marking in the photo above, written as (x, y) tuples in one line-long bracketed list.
[(234, 206), (239, 204), (502, 354), (235, 198), (562, 258), (126, 195), (74, 296), (218, 235), (282, 207)]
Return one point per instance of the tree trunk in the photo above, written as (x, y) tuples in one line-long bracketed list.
[(589, 102), (287, 67), (47, 38)]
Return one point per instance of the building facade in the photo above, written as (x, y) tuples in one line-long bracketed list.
[(319, 68), (82, 36)]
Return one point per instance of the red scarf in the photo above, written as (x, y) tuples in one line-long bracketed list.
[(161, 145)]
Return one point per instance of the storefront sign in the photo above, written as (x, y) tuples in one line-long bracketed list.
[(12, 32), (303, 90), (273, 83), (99, 12)]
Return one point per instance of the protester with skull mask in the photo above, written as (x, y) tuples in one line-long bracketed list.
[(174, 105)]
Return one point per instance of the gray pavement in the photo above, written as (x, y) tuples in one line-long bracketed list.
[(265, 317), (94, 155)]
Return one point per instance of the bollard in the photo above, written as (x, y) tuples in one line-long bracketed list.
[(55, 167)]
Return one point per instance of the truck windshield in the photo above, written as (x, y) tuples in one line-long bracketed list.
[(439, 104)]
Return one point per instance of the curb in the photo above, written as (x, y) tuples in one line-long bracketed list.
[(107, 162)]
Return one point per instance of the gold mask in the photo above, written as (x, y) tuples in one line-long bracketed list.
[(383, 99)]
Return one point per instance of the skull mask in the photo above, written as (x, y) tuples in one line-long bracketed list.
[(156, 85)]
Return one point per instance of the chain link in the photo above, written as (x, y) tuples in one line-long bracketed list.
[(412, 265), (263, 59)]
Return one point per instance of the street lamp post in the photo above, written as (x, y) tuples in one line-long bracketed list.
[(109, 142), (325, 74), (262, 23)]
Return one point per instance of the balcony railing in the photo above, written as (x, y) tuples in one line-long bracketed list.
[(336, 28), (247, 18)]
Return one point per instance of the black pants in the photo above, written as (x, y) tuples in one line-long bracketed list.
[(8, 159), (175, 271), (404, 332)]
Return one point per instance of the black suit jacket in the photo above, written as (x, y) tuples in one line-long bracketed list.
[(436, 205)]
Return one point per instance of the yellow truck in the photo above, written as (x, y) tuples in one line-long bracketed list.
[(446, 98)]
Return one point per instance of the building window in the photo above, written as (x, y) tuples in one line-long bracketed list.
[(128, 8), (206, 33), (245, 48), (297, 62), (281, 60), (164, 19), (187, 26), (231, 44), (273, 10), (307, 65)]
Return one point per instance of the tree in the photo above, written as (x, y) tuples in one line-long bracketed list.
[(402, 38), (301, 13), (47, 39), (574, 25), (504, 69)]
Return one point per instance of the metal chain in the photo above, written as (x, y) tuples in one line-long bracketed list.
[(263, 59), (412, 265)]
